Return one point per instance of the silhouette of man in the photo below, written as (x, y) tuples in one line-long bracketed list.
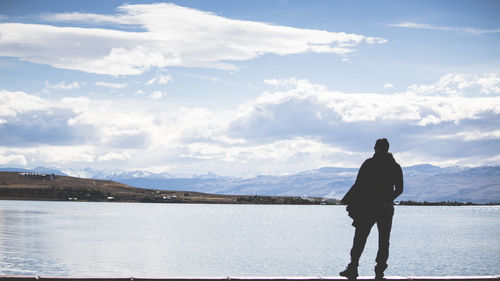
[(370, 201)]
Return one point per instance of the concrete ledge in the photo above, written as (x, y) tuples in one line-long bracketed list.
[(278, 278)]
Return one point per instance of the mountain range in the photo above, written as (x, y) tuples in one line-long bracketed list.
[(422, 182)]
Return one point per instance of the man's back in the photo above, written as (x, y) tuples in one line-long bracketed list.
[(381, 179)]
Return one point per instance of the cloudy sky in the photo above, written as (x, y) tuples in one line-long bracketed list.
[(241, 88)]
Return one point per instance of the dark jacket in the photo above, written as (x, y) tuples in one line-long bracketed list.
[(379, 182)]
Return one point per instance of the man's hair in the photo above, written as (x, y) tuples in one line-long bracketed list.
[(382, 144)]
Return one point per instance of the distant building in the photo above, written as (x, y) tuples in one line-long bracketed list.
[(38, 176)]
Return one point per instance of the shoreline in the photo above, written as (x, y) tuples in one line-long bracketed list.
[(41, 187), (419, 204)]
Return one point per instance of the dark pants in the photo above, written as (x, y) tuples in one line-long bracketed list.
[(383, 218)]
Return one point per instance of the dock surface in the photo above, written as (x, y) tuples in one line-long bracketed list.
[(334, 278)]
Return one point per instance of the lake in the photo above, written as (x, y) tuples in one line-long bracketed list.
[(171, 240)]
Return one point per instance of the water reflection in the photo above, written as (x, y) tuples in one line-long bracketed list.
[(168, 240), (22, 243)]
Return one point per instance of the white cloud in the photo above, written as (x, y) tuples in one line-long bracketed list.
[(472, 135), (124, 155), (298, 126), (469, 30), (172, 36), (66, 154), (388, 86), (458, 84), (111, 85), (284, 150), (160, 79), (451, 128), (156, 95), (283, 156), (12, 159), (14, 103), (90, 18), (50, 155), (449, 99), (63, 85)]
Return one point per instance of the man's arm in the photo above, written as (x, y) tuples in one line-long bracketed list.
[(398, 183), (361, 178), (353, 194)]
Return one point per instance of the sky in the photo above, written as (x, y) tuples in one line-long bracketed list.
[(245, 88)]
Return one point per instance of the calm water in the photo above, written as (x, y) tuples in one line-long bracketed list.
[(165, 240)]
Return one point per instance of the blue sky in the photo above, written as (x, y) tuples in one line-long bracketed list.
[(242, 88)]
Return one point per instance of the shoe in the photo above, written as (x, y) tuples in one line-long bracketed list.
[(379, 272), (350, 272)]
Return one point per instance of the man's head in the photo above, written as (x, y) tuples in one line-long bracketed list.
[(382, 145)]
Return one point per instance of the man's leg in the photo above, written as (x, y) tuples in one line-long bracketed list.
[(360, 236), (384, 225), (359, 241)]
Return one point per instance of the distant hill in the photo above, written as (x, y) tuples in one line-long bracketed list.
[(28, 185), (37, 186), (422, 183)]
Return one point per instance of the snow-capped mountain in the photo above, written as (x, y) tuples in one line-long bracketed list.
[(422, 182)]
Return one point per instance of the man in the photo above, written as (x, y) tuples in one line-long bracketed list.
[(370, 201)]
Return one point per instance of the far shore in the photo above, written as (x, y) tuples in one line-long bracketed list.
[(43, 187), (412, 203)]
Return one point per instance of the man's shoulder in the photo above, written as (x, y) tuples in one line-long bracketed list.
[(396, 164), (398, 168), (386, 161), (367, 162)]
